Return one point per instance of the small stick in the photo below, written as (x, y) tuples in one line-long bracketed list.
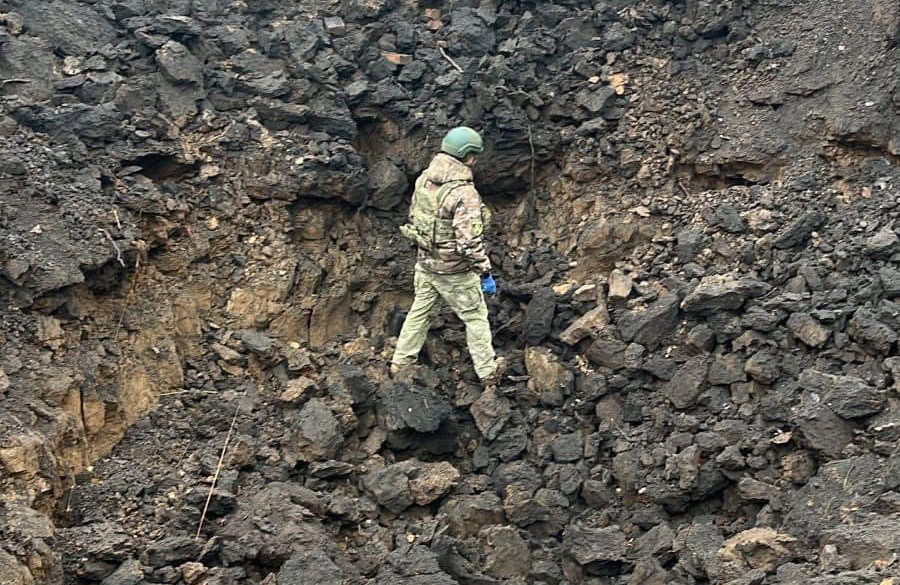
[(116, 246), (118, 222), (17, 80), (451, 61), (219, 466), (846, 479), (684, 189)]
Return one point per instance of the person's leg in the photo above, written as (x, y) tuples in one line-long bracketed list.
[(463, 293), (415, 327)]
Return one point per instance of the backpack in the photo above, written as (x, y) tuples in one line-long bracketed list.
[(427, 229)]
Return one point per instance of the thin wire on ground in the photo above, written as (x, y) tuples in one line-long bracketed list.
[(212, 487)]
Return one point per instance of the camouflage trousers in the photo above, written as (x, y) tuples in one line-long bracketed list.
[(463, 293)]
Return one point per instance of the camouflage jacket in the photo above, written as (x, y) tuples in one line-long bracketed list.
[(447, 219)]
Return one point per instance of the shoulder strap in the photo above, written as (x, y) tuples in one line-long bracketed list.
[(446, 189)]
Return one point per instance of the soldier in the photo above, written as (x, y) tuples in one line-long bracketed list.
[(446, 222)]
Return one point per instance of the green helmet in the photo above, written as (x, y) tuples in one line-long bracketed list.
[(462, 141)]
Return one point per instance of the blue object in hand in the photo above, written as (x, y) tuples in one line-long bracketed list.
[(488, 285)]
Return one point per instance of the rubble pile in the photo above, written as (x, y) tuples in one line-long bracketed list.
[(696, 240)]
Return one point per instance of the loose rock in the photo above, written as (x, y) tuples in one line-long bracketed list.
[(847, 396), (601, 546), (688, 382), (716, 293)]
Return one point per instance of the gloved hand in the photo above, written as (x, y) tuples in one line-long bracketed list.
[(488, 284)]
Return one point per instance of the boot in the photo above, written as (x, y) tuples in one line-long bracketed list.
[(493, 379), (398, 371)]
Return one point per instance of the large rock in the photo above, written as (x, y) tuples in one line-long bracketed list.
[(539, 316), (279, 519), (329, 113), (882, 244), (648, 572), (12, 572), (259, 75), (687, 384), (620, 285), (21, 453), (549, 379), (257, 342), (890, 281), (800, 229), (76, 29), (821, 504), (758, 548), (689, 244), (491, 411), (26, 57), (310, 566), (649, 327), (468, 32), (727, 217), (870, 333), (847, 396), (400, 485), (390, 487), (466, 514), (429, 482), (131, 572), (510, 443), (277, 115), (595, 101), (605, 238), (698, 545), (877, 538), (753, 490), (597, 546), (726, 370), (607, 351), (656, 542), (317, 435), (172, 551), (568, 447), (756, 317), (388, 185), (764, 366), (546, 507), (507, 555), (722, 292), (805, 328), (179, 65), (411, 564), (588, 325), (31, 533), (822, 430), (416, 407)]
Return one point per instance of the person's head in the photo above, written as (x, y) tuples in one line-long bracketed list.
[(464, 144)]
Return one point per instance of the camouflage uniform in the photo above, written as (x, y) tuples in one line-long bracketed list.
[(446, 220)]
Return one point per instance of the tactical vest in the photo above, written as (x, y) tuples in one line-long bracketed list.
[(428, 230)]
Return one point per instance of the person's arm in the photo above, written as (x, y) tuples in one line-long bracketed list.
[(468, 226), (412, 201)]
